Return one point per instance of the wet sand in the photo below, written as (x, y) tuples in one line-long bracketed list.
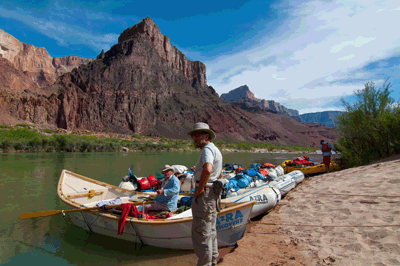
[(349, 217)]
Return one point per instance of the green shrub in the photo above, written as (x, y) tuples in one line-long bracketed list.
[(34, 144), (22, 125), (49, 131), (19, 134), (368, 130), (60, 142), (20, 145), (5, 144)]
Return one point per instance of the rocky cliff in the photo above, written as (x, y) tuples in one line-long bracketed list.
[(175, 60), (244, 95), (327, 117), (34, 62), (144, 85)]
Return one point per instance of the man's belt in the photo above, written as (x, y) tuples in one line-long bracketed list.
[(208, 185)]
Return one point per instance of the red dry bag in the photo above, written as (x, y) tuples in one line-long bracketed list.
[(143, 184), (153, 181)]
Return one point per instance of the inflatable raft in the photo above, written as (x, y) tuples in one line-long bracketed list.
[(309, 170)]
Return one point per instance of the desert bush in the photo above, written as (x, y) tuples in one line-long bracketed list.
[(60, 142), (19, 134), (368, 130), (49, 131), (34, 144), (22, 125), (5, 144)]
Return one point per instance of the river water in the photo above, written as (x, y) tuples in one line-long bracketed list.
[(28, 183)]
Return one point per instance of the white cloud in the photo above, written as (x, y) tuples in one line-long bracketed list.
[(314, 50), (358, 42), (347, 57), (317, 109), (313, 58), (65, 34)]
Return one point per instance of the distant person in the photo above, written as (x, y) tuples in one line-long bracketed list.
[(326, 149), (167, 198), (205, 203)]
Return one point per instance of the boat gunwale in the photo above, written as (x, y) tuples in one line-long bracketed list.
[(73, 204)]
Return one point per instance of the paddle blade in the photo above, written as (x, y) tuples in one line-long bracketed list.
[(28, 215)]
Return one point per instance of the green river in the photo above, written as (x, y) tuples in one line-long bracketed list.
[(28, 183)]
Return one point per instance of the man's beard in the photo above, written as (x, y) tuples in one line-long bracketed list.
[(200, 144)]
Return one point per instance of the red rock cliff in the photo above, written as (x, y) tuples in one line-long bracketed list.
[(142, 85), (36, 61), (149, 31)]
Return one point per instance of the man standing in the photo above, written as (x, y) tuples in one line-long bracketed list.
[(326, 149), (204, 206)]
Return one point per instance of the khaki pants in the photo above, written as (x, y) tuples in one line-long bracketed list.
[(204, 232)]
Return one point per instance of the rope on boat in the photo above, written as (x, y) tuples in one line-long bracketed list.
[(321, 225), (86, 222), (65, 219), (351, 195), (137, 235)]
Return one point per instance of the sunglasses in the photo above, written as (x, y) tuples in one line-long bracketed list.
[(197, 134)]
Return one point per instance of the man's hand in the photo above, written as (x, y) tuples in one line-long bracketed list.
[(198, 192), (205, 175), (160, 191)]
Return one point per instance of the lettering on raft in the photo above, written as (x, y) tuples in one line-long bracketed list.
[(261, 199), (228, 220)]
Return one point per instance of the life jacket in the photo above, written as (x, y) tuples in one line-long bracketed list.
[(239, 169), (269, 165), (264, 172), (326, 148)]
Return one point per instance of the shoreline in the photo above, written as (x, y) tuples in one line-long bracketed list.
[(223, 151), (330, 219), (28, 139)]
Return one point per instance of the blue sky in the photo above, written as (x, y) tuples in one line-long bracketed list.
[(306, 55)]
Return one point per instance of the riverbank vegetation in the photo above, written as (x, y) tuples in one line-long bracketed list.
[(369, 129), (25, 138)]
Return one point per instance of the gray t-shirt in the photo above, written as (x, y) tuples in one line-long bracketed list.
[(209, 154)]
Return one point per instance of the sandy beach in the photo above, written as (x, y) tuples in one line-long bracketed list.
[(349, 217)]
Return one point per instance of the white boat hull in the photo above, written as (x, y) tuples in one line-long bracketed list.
[(267, 194), (267, 197), (287, 182), (230, 228), (297, 175)]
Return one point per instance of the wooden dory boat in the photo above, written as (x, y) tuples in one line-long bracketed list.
[(309, 170), (174, 232)]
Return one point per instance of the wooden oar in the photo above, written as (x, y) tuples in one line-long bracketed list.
[(28, 215), (154, 194), (186, 194)]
